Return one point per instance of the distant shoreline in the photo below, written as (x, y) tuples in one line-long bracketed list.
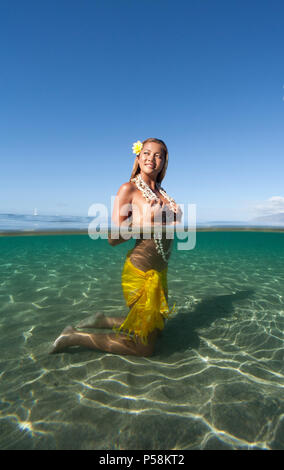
[(28, 233)]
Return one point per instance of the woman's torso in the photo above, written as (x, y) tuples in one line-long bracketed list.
[(144, 255)]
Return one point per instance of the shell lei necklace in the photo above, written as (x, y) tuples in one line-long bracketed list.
[(149, 195)]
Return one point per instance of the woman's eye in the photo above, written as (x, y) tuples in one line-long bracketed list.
[(147, 153)]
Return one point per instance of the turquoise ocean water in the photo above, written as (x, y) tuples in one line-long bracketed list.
[(216, 380)]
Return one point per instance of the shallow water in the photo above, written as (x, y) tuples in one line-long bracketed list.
[(215, 381)]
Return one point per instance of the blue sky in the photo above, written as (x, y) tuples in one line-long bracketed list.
[(82, 80)]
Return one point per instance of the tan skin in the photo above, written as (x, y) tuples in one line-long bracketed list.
[(151, 161)]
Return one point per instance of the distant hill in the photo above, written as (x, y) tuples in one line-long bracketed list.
[(273, 219), (222, 222)]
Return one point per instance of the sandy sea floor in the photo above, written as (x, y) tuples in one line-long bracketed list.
[(216, 380)]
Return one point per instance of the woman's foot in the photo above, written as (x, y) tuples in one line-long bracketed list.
[(98, 320), (64, 340)]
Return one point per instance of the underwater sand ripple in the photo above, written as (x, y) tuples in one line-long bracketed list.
[(216, 380)]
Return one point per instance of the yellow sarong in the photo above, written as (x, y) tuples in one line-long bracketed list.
[(147, 290)]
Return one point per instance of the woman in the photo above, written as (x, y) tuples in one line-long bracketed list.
[(144, 276)]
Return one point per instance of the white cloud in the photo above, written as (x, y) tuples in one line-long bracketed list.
[(273, 205)]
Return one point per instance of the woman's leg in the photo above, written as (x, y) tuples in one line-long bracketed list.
[(118, 344), (99, 320)]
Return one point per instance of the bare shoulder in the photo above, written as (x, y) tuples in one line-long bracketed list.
[(126, 191), (127, 188)]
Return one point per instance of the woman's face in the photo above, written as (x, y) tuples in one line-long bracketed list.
[(151, 159)]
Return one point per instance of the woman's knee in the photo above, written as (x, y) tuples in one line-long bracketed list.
[(148, 349)]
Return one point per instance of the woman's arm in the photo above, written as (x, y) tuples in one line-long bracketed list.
[(122, 210)]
